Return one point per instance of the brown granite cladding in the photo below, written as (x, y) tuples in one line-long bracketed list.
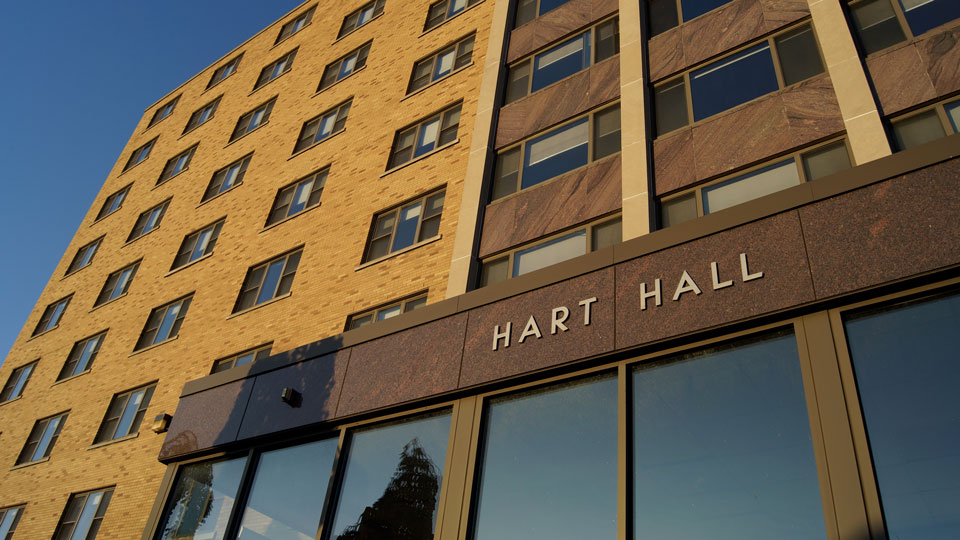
[(764, 127), (483, 364), (576, 94), (207, 419), (774, 246), (902, 227), (403, 367), (576, 197), (915, 72), (557, 23), (719, 30)]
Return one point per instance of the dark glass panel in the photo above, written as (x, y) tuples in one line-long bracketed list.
[(825, 160), (549, 5), (494, 271), (923, 15), (526, 12), (518, 79), (670, 105), (799, 56), (555, 153), (201, 501), (679, 210), (608, 40), (695, 8), (606, 132), (918, 129), (508, 169), (876, 24), (663, 15), (406, 232), (606, 234), (561, 61), (732, 81)]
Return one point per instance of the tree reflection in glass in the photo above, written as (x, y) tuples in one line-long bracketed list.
[(391, 482), (202, 500)]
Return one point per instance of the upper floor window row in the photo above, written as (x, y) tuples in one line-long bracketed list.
[(882, 23), (117, 284), (41, 439), (177, 164), (298, 197), (140, 154), (275, 69), (386, 312), (294, 26), (197, 245), (425, 136), (560, 150), (759, 69), (17, 382), (201, 115), (444, 9), (81, 357), (227, 178), (242, 358), (344, 66), (52, 315), (83, 515), (252, 120), (441, 64), (360, 17), (405, 225), (225, 71), (666, 14), (148, 221), (560, 61), (163, 323), (84, 256), (164, 111), (319, 128), (268, 280), (113, 202), (125, 414), (528, 10)]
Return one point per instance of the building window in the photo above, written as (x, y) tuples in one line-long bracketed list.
[(17, 382), (361, 17), (83, 515), (117, 284), (252, 120), (666, 14), (882, 23), (275, 69), (560, 61), (163, 111), (42, 438), (52, 315), (445, 9), (81, 357), (227, 178), (926, 125), (323, 126), (148, 221), (560, 150), (551, 251), (113, 202), (139, 155), (441, 64), (163, 323), (201, 115), (197, 245), (9, 517), (762, 180), (125, 414), (224, 71), (177, 164), (84, 256), (295, 25), (268, 280), (344, 67), (242, 359), (736, 79), (297, 197), (426, 136), (386, 312), (405, 226), (528, 10), (202, 499)]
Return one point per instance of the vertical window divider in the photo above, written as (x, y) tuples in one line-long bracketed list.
[(688, 95), (777, 68), (243, 493), (624, 436), (334, 487)]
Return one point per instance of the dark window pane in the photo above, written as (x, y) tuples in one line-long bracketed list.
[(561, 61), (752, 185), (923, 15), (722, 445), (918, 129), (904, 361), (731, 81), (825, 160), (663, 15), (201, 500), (269, 287), (606, 131), (392, 479), (679, 210), (551, 252), (876, 24), (799, 57), (405, 234), (555, 153), (494, 271), (606, 234), (518, 79), (608, 40), (526, 12), (695, 8), (549, 5), (670, 104), (508, 169), (549, 468), (953, 113)]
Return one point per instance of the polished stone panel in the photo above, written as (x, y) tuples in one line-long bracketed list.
[(912, 73), (556, 24), (207, 419), (573, 198)]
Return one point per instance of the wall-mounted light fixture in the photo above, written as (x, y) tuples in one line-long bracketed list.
[(290, 396), (161, 423)]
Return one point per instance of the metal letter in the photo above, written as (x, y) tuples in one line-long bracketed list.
[(531, 330), (715, 273), (654, 294), (586, 309), (686, 285), (497, 336), (747, 276), (557, 322)]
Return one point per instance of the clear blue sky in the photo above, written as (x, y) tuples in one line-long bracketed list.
[(75, 78)]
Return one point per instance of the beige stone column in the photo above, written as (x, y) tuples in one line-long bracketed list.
[(472, 196), (868, 141), (636, 199)]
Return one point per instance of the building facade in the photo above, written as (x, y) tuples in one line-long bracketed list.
[(515, 269)]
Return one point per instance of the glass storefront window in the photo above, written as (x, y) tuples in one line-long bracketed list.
[(202, 500)]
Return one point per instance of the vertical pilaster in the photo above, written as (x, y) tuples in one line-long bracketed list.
[(635, 184)]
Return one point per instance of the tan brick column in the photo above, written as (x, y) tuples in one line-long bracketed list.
[(636, 199)]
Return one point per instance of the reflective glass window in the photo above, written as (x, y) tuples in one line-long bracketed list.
[(752, 185), (923, 15), (732, 81), (555, 153), (201, 502), (558, 62), (876, 24), (917, 129)]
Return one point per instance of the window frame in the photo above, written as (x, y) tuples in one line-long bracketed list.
[(36, 438), (246, 286), (265, 109), (901, 18), (4, 512), (515, 21), (322, 174), (215, 229), (70, 365), (406, 305), (108, 204), (432, 22), (259, 353), (183, 305), (396, 210), (170, 168), (140, 154), (269, 72), (163, 112), (197, 114), (338, 113), (108, 292), (679, 14), (211, 193), (439, 116), (54, 318), (14, 380), (360, 55), (306, 17), (66, 529), (135, 422), (143, 220), (939, 108), (453, 47), (88, 252), (377, 10), (230, 67)]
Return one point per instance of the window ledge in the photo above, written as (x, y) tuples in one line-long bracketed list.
[(288, 218), (411, 247), (218, 195), (375, 17), (132, 167), (110, 301), (245, 134), (264, 85), (352, 73), (70, 378), (260, 305), (18, 398), (154, 346), (128, 242), (438, 81), (418, 158), (216, 84), (47, 331), (318, 143), (31, 463), (189, 264), (113, 441), (65, 276), (170, 178), (448, 19)]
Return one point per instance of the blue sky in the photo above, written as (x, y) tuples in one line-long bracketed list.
[(75, 78)]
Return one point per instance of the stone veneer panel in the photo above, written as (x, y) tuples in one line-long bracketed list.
[(764, 127), (719, 30), (557, 23), (404, 366), (915, 72), (483, 364), (318, 380), (576, 197), (773, 246), (884, 232), (207, 419), (576, 94)]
